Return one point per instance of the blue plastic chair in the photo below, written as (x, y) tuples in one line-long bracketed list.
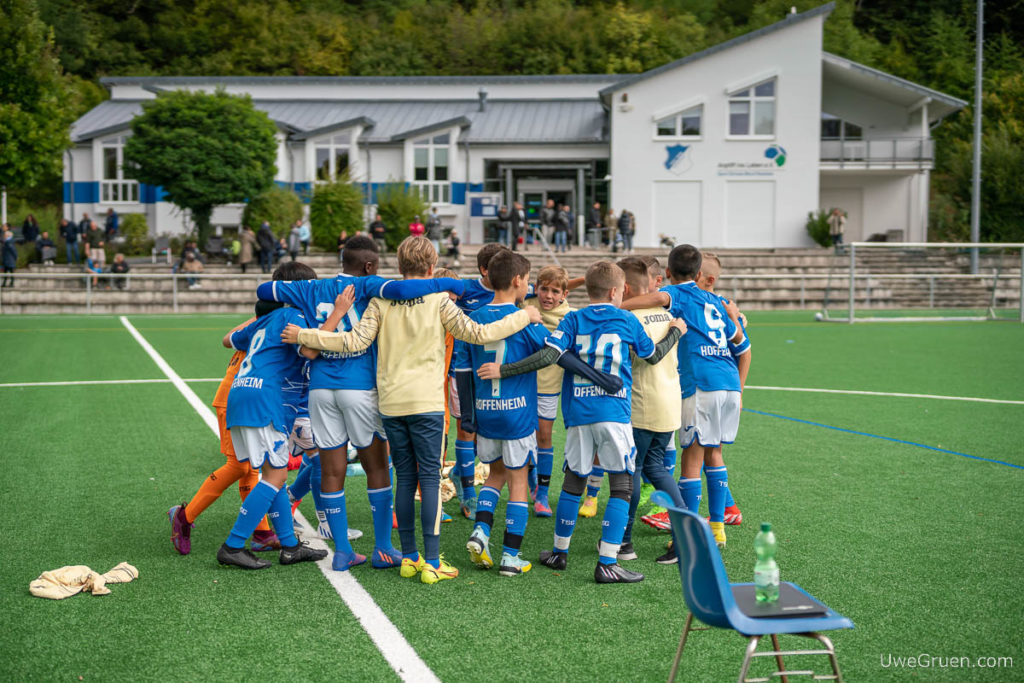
[(709, 596)]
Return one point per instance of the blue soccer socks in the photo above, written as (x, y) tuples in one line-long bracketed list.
[(337, 519), (616, 514), (254, 507), (281, 517), (689, 489), (380, 508), (516, 515), (671, 456), (568, 509), (485, 508), (718, 488), (545, 461), (301, 486), (465, 465)]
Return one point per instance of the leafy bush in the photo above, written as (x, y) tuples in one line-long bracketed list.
[(817, 227), (397, 205), (335, 207), (278, 206), (135, 230)]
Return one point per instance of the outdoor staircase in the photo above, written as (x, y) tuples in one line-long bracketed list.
[(758, 279)]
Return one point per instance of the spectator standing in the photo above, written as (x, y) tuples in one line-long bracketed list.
[(342, 241), (416, 229), (435, 230), (379, 233), (295, 240), (518, 224), (627, 226), (504, 225), (836, 225), (611, 226), (94, 246), (30, 229), (10, 257), (45, 249), (267, 244), (562, 223), (84, 224), (305, 234), (593, 225), (548, 218), (111, 224), (119, 267), (248, 244), (69, 231), (281, 251), (452, 245)]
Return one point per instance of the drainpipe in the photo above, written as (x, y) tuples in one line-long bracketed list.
[(71, 176), (468, 204)]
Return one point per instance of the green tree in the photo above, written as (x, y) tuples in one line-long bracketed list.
[(335, 207), (397, 205), (35, 109), (276, 205), (204, 150)]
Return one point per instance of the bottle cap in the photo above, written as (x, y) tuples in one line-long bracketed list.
[(766, 526)]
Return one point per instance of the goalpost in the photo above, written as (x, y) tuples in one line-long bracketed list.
[(924, 281)]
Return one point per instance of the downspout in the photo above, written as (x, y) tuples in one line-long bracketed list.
[(468, 203), (71, 177)]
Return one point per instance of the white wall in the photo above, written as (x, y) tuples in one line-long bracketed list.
[(890, 202), (879, 118), (791, 54)]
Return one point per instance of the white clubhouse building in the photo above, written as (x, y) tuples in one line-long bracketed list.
[(728, 147)]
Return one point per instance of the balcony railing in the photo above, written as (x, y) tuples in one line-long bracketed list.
[(438, 192), (879, 153), (119, 191)]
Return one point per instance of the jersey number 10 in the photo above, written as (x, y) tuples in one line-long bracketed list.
[(606, 353)]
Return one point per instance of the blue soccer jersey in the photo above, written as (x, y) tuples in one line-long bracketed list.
[(295, 393), (506, 408), (738, 349), (476, 295), (333, 369), (257, 397), (602, 335), (708, 331)]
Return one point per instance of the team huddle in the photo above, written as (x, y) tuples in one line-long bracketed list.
[(381, 365)]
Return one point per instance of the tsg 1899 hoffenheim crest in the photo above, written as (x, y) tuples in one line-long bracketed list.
[(679, 159)]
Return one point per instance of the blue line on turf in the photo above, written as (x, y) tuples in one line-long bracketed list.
[(884, 438)]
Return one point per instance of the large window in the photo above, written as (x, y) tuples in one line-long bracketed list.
[(683, 124), (114, 186), (430, 168), (834, 128), (332, 157), (752, 111)]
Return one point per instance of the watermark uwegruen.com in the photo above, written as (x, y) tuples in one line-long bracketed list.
[(889, 660)]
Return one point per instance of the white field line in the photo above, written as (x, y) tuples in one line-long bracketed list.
[(384, 634), (853, 392)]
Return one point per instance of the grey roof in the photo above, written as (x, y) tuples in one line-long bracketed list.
[(897, 88), (739, 40), (170, 81), (503, 121)]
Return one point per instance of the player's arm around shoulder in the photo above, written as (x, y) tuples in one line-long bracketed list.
[(660, 298), (464, 328), (227, 342), (358, 339)]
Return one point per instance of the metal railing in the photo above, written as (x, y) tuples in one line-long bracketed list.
[(882, 152), (119, 191)]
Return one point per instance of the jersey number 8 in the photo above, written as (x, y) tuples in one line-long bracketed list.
[(254, 346)]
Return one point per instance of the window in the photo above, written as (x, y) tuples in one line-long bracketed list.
[(114, 186), (332, 157), (683, 124), (752, 111), (430, 168), (834, 128)]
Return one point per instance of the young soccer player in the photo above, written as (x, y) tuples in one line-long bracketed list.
[(712, 326), (343, 396), (552, 288), (410, 378), (259, 422), (710, 271), (506, 412), (656, 406), (596, 422), (184, 516)]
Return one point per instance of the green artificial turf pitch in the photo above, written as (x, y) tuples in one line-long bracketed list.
[(918, 544)]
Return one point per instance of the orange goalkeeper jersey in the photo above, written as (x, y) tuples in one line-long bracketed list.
[(220, 400)]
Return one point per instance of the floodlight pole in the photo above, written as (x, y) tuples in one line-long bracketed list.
[(976, 171)]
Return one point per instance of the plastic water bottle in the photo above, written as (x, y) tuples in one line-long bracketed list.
[(766, 572)]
